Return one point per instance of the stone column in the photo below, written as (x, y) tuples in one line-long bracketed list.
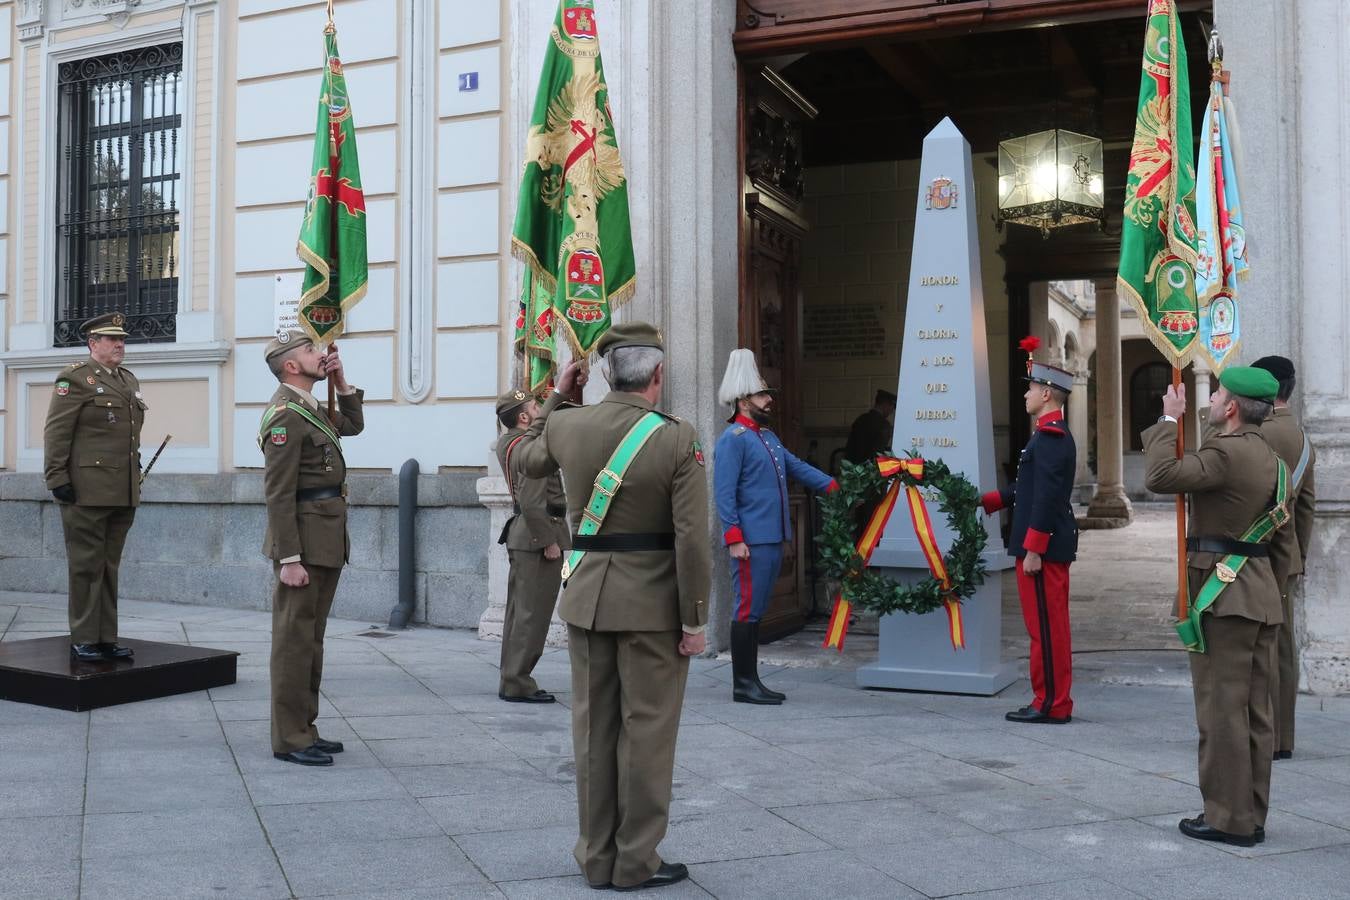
[(1083, 480), (1197, 415), (1293, 137), (1109, 503)]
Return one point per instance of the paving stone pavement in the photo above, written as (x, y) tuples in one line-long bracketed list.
[(445, 791)]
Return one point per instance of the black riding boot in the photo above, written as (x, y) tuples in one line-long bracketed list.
[(745, 686), (754, 642)]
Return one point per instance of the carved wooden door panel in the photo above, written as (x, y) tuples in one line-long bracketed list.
[(770, 303)]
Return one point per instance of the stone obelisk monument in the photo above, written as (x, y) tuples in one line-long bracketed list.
[(943, 412)]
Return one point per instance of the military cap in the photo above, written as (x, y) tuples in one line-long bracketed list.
[(630, 334), (286, 341), (1250, 382), (884, 397), (1279, 366), (511, 400), (108, 325), (1040, 373)]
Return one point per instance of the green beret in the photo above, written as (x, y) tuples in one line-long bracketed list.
[(108, 325), (511, 400), (284, 342), (630, 334), (1250, 382)]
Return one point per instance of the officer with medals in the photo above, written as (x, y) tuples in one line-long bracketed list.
[(535, 537), (751, 468), (635, 601), (305, 486), (1044, 539), (1237, 487), (1289, 547), (92, 465)]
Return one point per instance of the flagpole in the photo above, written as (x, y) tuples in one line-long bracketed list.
[(1183, 588), (331, 28)]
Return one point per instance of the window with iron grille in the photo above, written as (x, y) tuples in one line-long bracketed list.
[(118, 189)]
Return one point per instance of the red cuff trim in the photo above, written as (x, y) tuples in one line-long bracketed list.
[(832, 486), (992, 502), (733, 536), (1036, 541)]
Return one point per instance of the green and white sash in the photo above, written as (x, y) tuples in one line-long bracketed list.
[(608, 482), (313, 418), (1226, 570)]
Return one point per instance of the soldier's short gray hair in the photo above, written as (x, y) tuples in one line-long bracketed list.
[(1252, 411), (630, 369)]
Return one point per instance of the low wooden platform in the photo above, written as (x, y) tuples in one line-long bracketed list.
[(41, 672)]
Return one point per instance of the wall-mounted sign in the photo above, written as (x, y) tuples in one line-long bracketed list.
[(844, 331)]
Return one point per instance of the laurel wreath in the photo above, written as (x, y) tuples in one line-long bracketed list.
[(869, 589)]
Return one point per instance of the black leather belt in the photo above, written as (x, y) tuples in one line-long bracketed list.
[(1227, 545), (320, 493), (558, 511), (620, 543)]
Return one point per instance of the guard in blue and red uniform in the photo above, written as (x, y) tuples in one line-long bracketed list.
[(1044, 539), (751, 468)]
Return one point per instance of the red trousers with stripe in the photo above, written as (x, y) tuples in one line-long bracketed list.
[(1045, 609)]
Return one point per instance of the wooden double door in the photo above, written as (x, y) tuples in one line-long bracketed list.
[(773, 224)]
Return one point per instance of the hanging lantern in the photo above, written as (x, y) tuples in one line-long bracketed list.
[(1051, 179)]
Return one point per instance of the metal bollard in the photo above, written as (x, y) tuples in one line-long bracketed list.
[(407, 546)]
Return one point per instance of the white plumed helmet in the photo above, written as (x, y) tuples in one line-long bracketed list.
[(742, 378)]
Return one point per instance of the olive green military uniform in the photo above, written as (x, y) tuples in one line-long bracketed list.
[(303, 460), (625, 613), (92, 443), (538, 520), (1288, 553), (1231, 482)]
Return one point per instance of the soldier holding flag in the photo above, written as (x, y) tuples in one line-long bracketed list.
[(305, 475), (1238, 488)]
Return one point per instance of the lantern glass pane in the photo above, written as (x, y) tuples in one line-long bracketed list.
[(1080, 169), (1027, 170)]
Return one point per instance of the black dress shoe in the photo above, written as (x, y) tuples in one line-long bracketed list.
[(536, 697), (1201, 830), (86, 653), (668, 873), (113, 651), (1284, 754), (1035, 716), (599, 887), (328, 746), (1259, 835), (310, 756)]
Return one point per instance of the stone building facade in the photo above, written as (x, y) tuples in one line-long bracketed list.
[(441, 91)]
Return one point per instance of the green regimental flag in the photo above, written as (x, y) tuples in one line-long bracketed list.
[(572, 227), (1159, 243), (534, 333), (333, 236)]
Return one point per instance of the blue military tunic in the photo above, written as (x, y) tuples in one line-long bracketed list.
[(751, 468)]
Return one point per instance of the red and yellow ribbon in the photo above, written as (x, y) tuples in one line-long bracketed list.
[(889, 467)]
